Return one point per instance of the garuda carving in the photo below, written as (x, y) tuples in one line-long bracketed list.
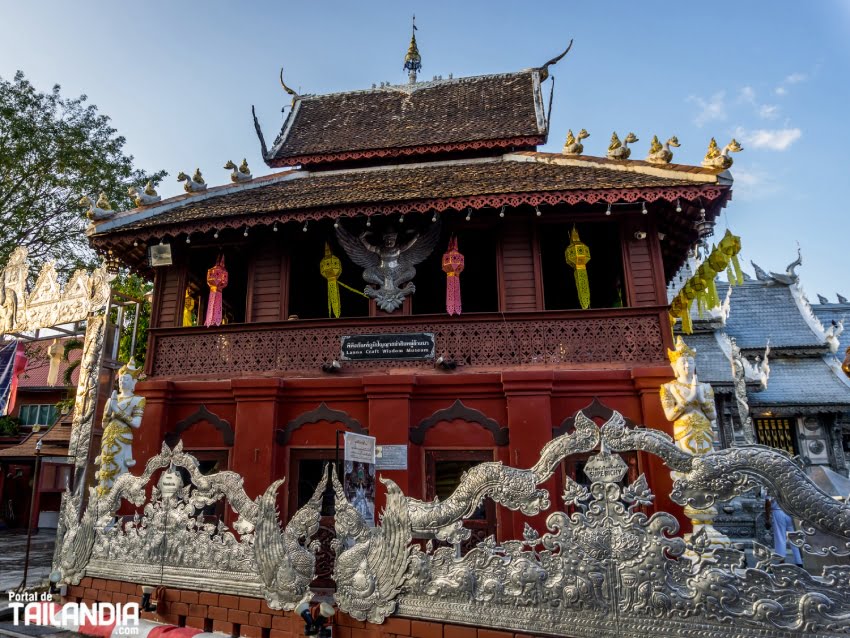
[(389, 267), (286, 559), (370, 573)]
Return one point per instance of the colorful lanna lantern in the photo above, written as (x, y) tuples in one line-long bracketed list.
[(217, 281), (577, 255), (331, 269), (453, 263)]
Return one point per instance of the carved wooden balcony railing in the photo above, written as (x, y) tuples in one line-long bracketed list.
[(626, 336)]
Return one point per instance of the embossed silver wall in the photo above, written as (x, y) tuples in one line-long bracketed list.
[(604, 568), (172, 543)]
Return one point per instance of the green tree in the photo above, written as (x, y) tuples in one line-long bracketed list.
[(54, 150), (137, 288)]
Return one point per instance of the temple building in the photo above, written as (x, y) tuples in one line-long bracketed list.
[(324, 298), (478, 336), (772, 358)]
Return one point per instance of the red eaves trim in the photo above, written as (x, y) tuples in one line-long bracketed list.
[(705, 193), (322, 158)]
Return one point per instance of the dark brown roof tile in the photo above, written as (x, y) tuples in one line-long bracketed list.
[(444, 112)]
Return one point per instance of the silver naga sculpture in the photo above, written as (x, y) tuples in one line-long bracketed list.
[(173, 543), (606, 569), (389, 267)]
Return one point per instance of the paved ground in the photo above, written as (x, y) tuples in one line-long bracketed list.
[(12, 552)]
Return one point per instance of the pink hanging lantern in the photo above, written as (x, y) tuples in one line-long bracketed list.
[(453, 265), (217, 281)]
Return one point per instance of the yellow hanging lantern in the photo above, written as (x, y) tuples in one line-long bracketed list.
[(577, 255), (331, 269)]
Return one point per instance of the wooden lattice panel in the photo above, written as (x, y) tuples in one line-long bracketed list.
[(497, 341)]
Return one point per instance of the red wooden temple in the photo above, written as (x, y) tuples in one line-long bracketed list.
[(265, 393)]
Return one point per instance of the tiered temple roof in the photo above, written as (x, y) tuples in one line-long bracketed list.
[(805, 375), (482, 112)]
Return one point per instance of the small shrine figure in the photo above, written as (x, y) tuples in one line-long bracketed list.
[(453, 262), (122, 415), (689, 404)]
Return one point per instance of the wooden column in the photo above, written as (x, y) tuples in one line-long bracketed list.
[(529, 405), (389, 422), (256, 417)]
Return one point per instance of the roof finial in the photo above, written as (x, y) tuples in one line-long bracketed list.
[(413, 61)]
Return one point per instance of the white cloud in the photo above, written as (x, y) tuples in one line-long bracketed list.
[(754, 184), (712, 109), (769, 139), (747, 95), (793, 78), (768, 111)]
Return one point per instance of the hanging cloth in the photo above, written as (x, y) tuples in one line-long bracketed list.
[(577, 255), (453, 263), (217, 281), (54, 354)]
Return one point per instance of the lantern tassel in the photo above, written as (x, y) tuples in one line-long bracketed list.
[(583, 287), (214, 308), (453, 305), (334, 304), (687, 325), (739, 275)]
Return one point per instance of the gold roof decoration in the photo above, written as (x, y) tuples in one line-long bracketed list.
[(573, 145), (144, 197), (194, 184), (239, 174), (618, 150), (413, 61), (715, 158), (99, 210), (661, 153)]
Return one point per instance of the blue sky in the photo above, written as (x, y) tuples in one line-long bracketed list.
[(179, 79)]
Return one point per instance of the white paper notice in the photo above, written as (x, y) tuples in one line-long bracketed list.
[(359, 448)]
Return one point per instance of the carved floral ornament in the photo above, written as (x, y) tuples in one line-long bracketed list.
[(48, 303), (608, 569)]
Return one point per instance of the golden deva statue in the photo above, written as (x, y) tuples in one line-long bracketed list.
[(688, 403), (122, 415)]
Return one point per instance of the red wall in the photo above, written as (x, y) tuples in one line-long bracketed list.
[(530, 403)]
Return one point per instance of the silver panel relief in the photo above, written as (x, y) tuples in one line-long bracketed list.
[(606, 568), (173, 542)]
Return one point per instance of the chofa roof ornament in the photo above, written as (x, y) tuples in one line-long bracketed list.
[(544, 70)]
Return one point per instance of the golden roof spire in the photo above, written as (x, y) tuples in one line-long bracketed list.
[(413, 61)]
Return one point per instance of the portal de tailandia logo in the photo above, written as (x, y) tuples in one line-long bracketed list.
[(34, 608)]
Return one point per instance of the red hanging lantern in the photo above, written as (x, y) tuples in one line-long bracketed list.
[(217, 281), (453, 265)]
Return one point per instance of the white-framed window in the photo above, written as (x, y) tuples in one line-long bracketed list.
[(38, 414)]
